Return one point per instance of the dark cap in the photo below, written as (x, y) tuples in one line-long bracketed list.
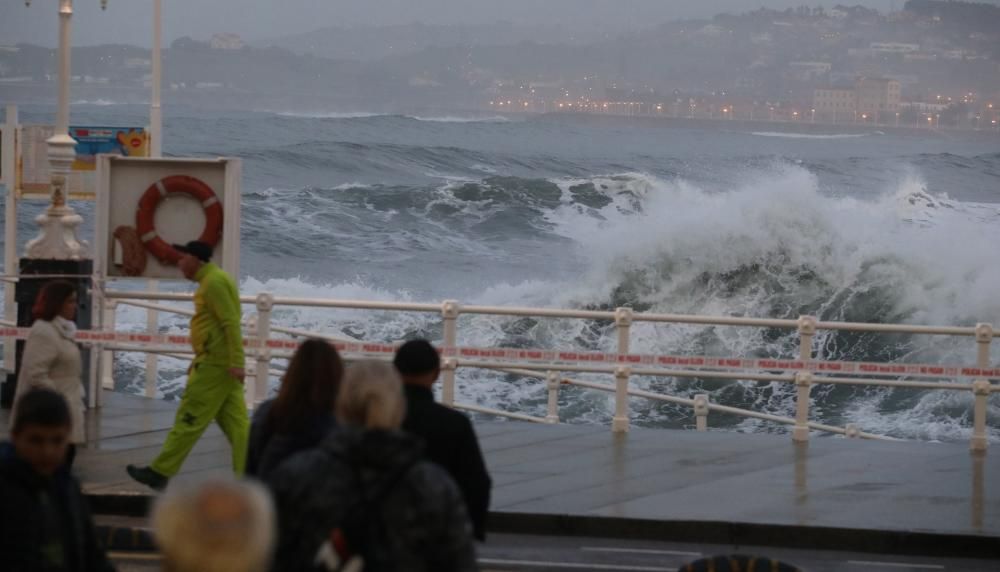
[(196, 248)]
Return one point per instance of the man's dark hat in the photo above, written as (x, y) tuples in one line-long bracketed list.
[(196, 248)]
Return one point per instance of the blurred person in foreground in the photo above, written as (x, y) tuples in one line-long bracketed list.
[(448, 435), (302, 413), (365, 496), (215, 380), (45, 524), (51, 358), (221, 525)]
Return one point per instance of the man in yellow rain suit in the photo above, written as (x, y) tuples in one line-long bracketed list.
[(215, 382)]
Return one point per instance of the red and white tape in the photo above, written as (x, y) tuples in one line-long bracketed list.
[(90, 337)]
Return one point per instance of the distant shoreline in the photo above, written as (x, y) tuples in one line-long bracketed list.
[(42, 94), (768, 126)]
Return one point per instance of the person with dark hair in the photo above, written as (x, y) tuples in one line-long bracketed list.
[(215, 380), (44, 520), (364, 497), (51, 358), (302, 414), (449, 437)]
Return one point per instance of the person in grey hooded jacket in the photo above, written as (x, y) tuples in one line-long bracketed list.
[(414, 503)]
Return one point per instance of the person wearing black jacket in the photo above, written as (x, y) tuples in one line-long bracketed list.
[(45, 525), (448, 435)]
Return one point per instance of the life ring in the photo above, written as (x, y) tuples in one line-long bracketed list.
[(150, 200)]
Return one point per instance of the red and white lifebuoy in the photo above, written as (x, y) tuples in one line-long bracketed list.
[(185, 185)]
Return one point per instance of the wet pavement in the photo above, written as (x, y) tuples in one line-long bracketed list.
[(681, 485)]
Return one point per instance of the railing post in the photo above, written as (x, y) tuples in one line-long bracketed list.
[(803, 379), (803, 383), (981, 388), (450, 310), (152, 327), (108, 357), (623, 325), (11, 268), (265, 302), (701, 411), (981, 391), (552, 383), (250, 382)]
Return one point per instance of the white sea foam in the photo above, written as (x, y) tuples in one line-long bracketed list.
[(809, 135), (462, 119), (329, 114), (98, 102), (368, 114)]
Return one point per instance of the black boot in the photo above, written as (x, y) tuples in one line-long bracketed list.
[(148, 477)]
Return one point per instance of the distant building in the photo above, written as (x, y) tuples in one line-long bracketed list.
[(921, 107), (871, 98), (809, 71), (893, 48), (136, 63), (833, 104), (877, 96), (958, 54), (227, 42)]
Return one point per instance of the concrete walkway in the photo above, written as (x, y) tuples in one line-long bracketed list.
[(680, 485)]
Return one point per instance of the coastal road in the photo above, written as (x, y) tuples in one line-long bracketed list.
[(529, 553)]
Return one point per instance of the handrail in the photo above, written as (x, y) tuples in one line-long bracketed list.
[(803, 371), (578, 314), (183, 312), (725, 409), (160, 307), (691, 403), (491, 411)]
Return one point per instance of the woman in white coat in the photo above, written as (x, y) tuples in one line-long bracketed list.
[(51, 357)]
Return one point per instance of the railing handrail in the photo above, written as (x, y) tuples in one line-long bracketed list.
[(538, 312), (622, 364)]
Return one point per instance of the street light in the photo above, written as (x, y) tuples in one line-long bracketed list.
[(58, 223), (155, 112)]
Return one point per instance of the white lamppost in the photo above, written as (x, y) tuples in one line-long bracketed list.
[(58, 223), (155, 113)]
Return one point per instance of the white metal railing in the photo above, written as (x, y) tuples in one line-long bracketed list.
[(261, 328)]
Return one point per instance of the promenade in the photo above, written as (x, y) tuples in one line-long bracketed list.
[(905, 497)]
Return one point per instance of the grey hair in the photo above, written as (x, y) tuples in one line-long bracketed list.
[(221, 525), (371, 396)]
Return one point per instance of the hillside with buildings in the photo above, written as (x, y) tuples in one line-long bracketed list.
[(932, 60)]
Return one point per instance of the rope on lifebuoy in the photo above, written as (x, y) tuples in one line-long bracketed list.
[(154, 195), (133, 252)]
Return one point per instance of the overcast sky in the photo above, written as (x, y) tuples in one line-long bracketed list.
[(129, 21)]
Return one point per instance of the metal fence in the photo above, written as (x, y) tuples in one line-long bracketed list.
[(555, 367)]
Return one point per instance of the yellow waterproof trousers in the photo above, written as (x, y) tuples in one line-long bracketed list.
[(211, 394)]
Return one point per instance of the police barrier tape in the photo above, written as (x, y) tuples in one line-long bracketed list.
[(90, 337)]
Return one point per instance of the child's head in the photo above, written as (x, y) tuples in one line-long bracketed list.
[(41, 430)]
